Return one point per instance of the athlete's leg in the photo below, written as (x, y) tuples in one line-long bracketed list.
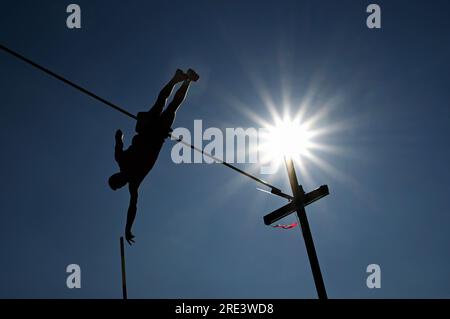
[(177, 99), (171, 110), (164, 94), (144, 119)]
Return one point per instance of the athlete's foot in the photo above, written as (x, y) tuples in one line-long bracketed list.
[(180, 76), (192, 75)]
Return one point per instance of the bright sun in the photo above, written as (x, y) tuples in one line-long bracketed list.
[(288, 138), (304, 126), (298, 137)]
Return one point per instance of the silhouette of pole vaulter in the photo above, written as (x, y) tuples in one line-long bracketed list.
[(152, 128)]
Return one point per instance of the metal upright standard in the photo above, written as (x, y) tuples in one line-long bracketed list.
[(297, 204), (299, 195)]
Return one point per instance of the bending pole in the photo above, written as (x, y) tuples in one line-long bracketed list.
[(274, 190), (124, 275), (307, 236)]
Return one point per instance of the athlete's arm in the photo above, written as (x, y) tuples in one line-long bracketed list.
[(118, 149), (132, 208)]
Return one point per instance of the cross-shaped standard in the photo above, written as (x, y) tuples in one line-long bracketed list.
[(297, 204)]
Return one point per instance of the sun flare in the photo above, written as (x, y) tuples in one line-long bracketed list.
[(306, 127), (287, 138)]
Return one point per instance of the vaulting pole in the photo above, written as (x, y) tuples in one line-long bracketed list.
[(306, 231), (124, 275)]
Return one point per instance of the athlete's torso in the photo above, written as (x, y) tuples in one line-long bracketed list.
[(143, 152)]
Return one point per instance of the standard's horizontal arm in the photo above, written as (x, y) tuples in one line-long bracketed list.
[(280, 213), (306, 199)]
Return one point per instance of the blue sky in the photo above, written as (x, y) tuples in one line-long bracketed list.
[(199, 228)]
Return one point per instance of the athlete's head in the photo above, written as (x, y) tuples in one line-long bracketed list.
[(117, 181)]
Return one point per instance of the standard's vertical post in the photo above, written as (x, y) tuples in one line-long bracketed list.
[(311, 250), (124, 276)]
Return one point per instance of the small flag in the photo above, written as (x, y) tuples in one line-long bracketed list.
[(285, 226)]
